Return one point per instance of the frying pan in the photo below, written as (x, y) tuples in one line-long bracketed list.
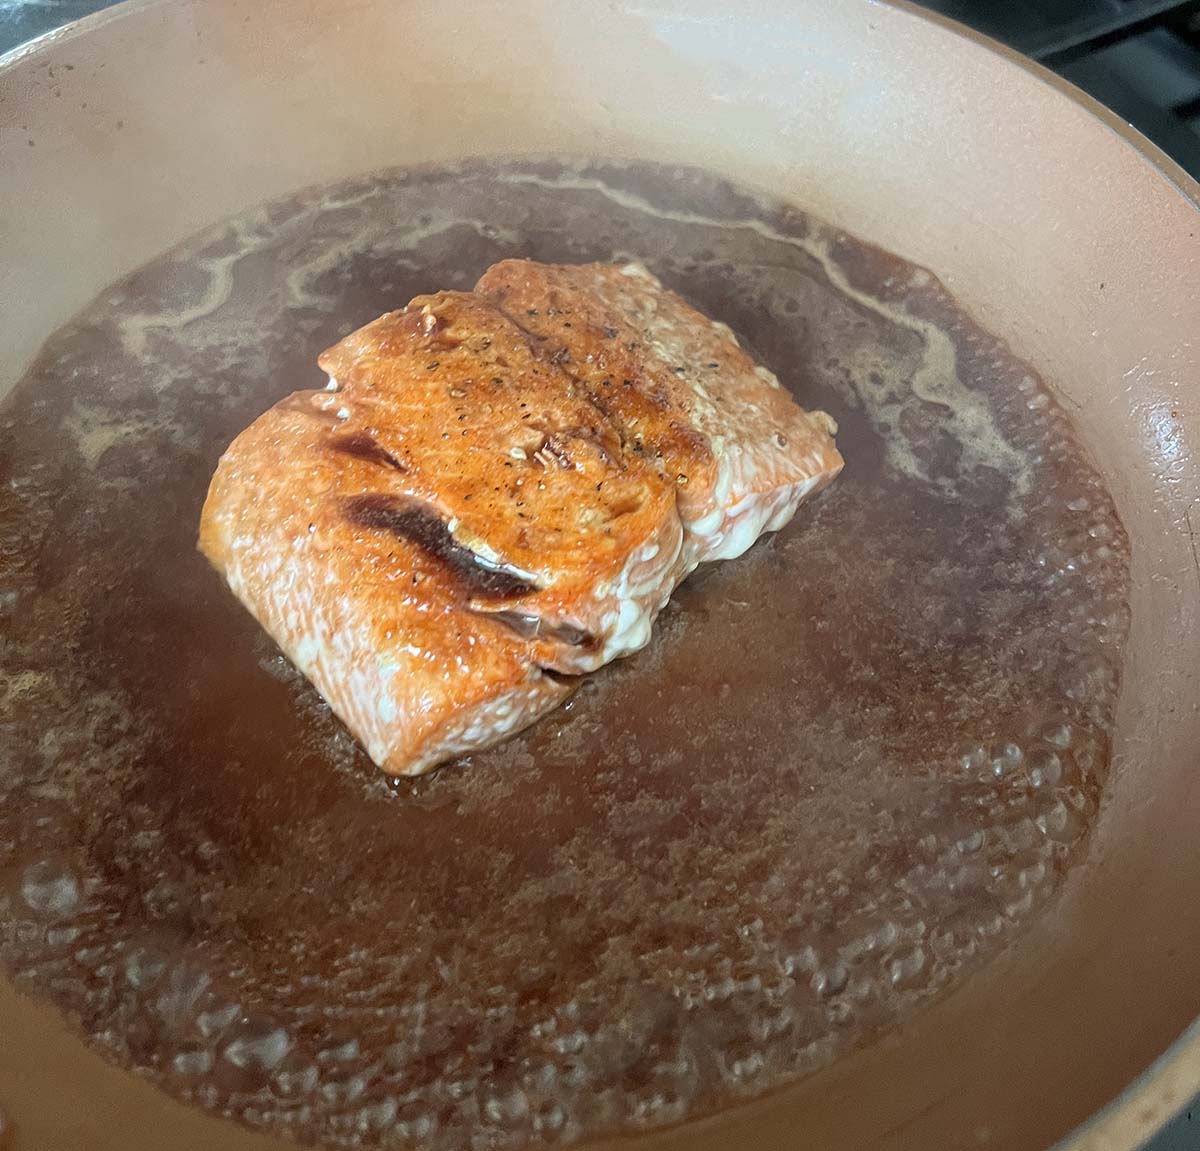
[(1059, 228)]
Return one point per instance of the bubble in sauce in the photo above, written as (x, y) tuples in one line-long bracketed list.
[(49, 887)]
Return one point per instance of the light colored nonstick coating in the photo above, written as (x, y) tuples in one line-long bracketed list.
[(1057, 226)]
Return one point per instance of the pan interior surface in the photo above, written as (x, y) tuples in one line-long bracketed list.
[(122, 137), (849, 768)]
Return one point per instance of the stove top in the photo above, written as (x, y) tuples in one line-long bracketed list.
[(1139, 57)]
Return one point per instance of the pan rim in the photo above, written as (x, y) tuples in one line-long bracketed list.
[(1164, 1087), (1167, 1083), (1187, 186)]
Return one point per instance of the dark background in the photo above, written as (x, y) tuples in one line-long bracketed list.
[(1140, 57)]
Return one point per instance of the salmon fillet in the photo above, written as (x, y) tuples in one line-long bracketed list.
[(498, 489), (743, 452)]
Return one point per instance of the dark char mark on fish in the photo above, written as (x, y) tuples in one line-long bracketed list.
[(364, 446), (410, 521)]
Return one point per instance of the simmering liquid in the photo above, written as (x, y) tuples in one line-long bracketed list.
[(846, 770)]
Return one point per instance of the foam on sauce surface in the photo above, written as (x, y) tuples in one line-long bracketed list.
[(849, 766)]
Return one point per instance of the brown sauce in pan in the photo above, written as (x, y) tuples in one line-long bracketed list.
[(850, 765)]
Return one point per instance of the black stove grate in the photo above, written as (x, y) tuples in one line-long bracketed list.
[(1140, 57), (1094, 31)]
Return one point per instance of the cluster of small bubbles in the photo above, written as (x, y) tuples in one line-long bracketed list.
[(256, 1046), (192, 1061), (1006, 757), (1046, 768)]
